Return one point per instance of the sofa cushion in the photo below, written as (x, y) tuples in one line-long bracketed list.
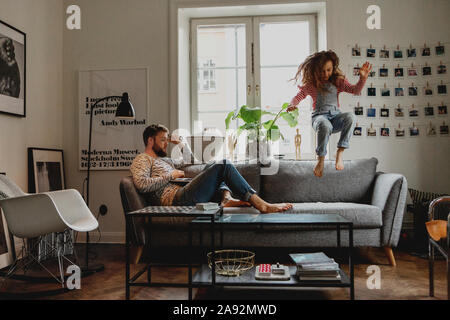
[(295, 182), (362, 215), (250, 172)]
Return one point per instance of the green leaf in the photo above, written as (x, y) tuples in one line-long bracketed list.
[(284, 106), (228, 119), (289, 118), (274, 133), (250, 114), (267, 124)]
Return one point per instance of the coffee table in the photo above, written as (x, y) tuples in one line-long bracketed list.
[(206, 277), (163, 211)]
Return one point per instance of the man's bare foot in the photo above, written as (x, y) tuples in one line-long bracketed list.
[(265, 207), (231, 202), (318, 170), (340, 159)]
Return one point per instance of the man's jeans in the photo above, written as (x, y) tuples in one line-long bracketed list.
[(326, 124), (208, 185)]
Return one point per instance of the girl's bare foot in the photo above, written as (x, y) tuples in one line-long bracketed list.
[(318, 170), (340, 159), (265, 207)]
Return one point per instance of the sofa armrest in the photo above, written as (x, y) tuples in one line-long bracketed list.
[(389, 194)]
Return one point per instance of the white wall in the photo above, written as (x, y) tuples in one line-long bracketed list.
[(423, 160), (42, 21), (135, 33), (114, 34)]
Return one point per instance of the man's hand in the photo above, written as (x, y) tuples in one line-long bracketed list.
[(177, 174), (365, 70), (175, 139)]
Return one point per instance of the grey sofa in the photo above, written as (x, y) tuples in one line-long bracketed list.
[(374, 201)]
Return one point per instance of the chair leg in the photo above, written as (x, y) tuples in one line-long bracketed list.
[(135, 254), (390, 256)]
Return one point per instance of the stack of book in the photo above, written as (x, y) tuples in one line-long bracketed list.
[(206, 206), (315, 267)]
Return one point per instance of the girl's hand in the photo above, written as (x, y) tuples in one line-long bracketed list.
[(291, 108), (365, 70)]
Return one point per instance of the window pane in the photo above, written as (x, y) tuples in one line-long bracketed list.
[(212, 121), (226, 91), (284, 43), (276, 88), (223, 44)]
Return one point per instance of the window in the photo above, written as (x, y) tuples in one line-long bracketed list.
[(249, 61)]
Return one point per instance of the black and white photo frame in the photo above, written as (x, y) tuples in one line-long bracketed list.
[(45, 170), (12, 70)]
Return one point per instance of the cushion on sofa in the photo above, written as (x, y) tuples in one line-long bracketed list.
[(295, 182)]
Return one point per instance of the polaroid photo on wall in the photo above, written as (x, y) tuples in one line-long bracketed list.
[(372, 73), (426, 51), (371, 112), (357, 132), (412, 72), (442, 89), (398, 72), (371, 53), (400, 132), (427, 91), (431, 130), (384, 132), (442, 110), (384, 54), (443, 130), (371, 92), (442, 69), (371, 132), (413, 113), (356, 71), (429, 111), (440, 50), (359, 111), (385, 92), (411, 53), (383, 72), (399, 112), (398, 54), (399, 92), (413, 131), (384, 112), (426, 71), (356, 52), (412, 91)]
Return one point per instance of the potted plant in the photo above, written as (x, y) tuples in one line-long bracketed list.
[(261, 133)]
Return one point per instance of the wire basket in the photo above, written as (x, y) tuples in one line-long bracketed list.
[(232, 262)]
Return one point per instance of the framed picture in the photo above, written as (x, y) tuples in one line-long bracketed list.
[(45, 170), (6, 254), (12, 70)]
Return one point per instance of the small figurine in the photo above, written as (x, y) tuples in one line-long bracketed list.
[(297, 141)]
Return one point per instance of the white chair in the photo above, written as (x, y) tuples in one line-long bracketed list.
[(36, 215)]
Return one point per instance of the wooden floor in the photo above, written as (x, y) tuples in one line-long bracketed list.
[(409, 280)]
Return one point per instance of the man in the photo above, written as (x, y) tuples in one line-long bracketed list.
[(9, 70), (152, 174)]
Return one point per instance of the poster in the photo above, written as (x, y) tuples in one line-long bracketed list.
[(115, 142)]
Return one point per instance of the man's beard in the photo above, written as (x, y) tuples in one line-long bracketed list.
[(159, 152)]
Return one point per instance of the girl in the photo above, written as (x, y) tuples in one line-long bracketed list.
[(323, 81)]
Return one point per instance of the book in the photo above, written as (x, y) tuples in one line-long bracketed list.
[(319, 278), (206, 206), (316, 258)]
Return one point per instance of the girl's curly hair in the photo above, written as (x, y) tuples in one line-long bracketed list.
[(312, 68)]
